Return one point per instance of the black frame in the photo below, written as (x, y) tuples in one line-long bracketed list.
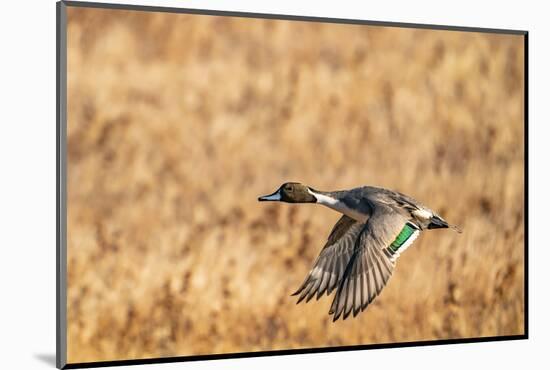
[(61, 182)]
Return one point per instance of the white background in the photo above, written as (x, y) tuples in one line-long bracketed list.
[(27, 183)]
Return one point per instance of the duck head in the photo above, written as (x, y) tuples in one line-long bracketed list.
[(291, 192)]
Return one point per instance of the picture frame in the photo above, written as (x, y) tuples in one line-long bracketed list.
[(62, 187)]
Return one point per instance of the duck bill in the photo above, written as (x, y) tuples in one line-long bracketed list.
[(275, 197)]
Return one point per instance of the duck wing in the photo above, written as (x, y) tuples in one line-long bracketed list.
[(371, 264), (329, 267)]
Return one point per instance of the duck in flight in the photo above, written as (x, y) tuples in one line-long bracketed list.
[(360, 254)]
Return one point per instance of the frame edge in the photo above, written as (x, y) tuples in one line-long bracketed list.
[(288, 17), (61, 185)]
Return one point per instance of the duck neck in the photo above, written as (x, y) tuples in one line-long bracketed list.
[(325, 198), (331, 200)]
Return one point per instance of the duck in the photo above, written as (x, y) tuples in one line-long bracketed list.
[(377, 225)]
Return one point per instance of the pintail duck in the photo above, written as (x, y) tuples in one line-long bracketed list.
[(359, 256)]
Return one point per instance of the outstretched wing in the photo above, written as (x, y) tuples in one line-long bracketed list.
[(372, 261), (330, 265)]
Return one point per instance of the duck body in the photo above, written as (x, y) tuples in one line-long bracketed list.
[(360, 203), (360, 254)]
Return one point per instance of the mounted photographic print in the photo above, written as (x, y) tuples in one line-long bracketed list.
[(235, 184)]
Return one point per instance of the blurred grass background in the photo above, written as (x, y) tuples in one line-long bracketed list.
[(177, 123)]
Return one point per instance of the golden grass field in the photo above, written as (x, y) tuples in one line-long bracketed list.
[(177, 123)]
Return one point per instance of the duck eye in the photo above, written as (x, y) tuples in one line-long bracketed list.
[(288, 188)]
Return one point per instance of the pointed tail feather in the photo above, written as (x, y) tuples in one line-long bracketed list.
[(456, 228)]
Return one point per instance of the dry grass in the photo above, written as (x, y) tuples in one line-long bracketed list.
[(177, 123)]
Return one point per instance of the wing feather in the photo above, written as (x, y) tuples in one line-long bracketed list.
[(356, 261), (371, 266), (332, 260)]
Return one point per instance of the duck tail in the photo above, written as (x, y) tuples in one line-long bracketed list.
[(437, 222)]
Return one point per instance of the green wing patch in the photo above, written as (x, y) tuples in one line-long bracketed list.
[(403, 236)]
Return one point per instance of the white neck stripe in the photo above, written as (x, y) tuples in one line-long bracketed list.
[(324, 199), (339, 206)]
